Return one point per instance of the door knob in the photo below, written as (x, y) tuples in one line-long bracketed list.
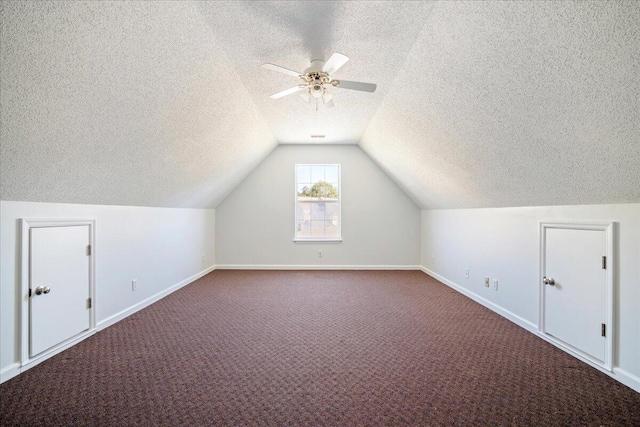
[(42, 290), (548, 281)]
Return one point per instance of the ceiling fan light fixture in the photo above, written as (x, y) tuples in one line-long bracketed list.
[(317, 90), (317, 78)]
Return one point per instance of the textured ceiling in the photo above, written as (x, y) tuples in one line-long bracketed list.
[(128, 103), (479, 104), (376, 36), (516, 104)]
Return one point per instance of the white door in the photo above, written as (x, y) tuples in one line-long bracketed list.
[(575, 289), (59, 306)]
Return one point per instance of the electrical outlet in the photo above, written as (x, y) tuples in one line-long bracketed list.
[(495, 284), (486, 282), (319, 254), (203, 259), (466, 273), (134, 285)]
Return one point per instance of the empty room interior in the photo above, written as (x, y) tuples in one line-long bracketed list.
[(338, 213)]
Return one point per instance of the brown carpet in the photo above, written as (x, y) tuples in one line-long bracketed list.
[(338, 348)]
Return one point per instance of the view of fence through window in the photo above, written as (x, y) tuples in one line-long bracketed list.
[(317, 202)]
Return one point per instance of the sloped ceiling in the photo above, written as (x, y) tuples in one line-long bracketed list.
[(479, 104), (126, 103), (516, 104)]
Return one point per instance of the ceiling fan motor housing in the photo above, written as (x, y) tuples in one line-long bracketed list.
[(316, 66)]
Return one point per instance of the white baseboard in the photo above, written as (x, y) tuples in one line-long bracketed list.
[(30, 363), (617, 374), (313, 267), (9, 372), (14, 369), (520, 321), (627, 378), (147, 302)]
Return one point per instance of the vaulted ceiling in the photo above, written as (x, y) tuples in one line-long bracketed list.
[(479, 104)]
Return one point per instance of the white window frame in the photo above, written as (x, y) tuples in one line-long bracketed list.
[(295, 212)]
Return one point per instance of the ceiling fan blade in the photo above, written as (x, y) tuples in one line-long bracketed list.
[(279, 69), (286, 92), (364, 87), (334, 63)]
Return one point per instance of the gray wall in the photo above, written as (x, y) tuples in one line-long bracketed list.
[(255, 224)]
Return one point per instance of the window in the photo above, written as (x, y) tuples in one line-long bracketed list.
[(317, 202)]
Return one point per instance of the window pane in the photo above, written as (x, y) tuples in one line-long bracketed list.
[(303, 229), (304, 189), (331, 229), (317, 173), (317, 211), (336, 186), (331, 212), (317, 229), (331, 174), (303, 174), (303, 225), (304, 212)]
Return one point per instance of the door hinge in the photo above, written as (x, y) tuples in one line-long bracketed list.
[(88, 250), (89, 303), (603, 330), (29, 292), (604, 262)]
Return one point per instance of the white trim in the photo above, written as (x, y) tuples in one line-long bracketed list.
[(25, 226), (313, 267), (609, 307), (9, 372), (616, 373), (627, 378), (317, 241), (154, 298), (630, 380), (56, 349), (520, 321)]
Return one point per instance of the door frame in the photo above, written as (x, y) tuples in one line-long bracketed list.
[(608, 228), (26, 224)]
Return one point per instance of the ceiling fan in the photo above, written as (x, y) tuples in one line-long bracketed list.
[(316, 80)]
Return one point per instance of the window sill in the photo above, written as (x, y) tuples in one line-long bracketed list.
[(317, 240)]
